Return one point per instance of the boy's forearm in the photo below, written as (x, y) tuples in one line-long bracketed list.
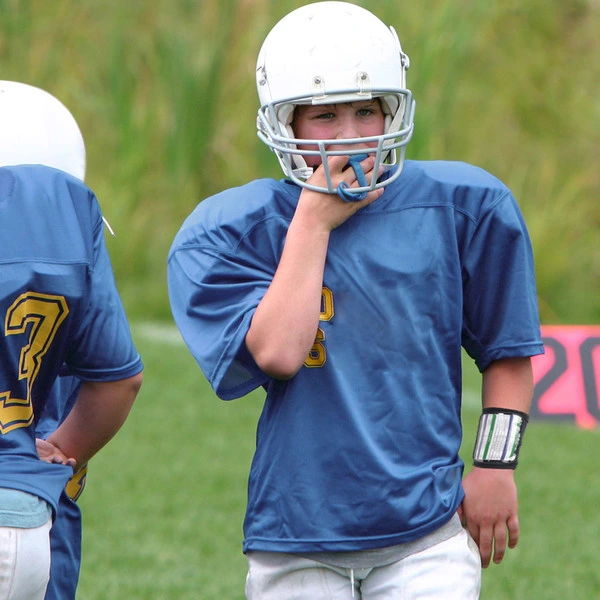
[(508, 383), (100, 411), (285, 323)]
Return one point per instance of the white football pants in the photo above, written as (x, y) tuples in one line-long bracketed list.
[(450, 570), (24, 562)]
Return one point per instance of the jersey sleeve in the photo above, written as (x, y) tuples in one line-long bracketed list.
[(500, 300), (213, 296), (103, 349)]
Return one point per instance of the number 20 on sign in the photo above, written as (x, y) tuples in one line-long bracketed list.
[(567, 376)]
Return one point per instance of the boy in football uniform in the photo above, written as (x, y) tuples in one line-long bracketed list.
[(347, 291), (59, 309)]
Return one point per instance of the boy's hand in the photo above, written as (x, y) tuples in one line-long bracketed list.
[(50, 453), (329, 209), (489, 511)]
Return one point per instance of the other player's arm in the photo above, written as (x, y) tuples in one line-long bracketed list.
[(489, 509), (99, 412)]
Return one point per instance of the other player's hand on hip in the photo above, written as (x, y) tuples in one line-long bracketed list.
[(329, 209), (489, 511), (50, 453)]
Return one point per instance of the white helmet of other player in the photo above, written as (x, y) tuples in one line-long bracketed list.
[(326, 53), (36, 128)]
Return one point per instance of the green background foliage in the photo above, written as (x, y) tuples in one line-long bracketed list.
[(165, 96)]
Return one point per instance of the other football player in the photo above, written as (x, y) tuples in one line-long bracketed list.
[(59, 308)]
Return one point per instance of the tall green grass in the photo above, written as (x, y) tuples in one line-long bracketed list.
[(165, 95), (165, 500)]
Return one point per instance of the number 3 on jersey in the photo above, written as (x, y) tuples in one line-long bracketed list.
[(37, 317), (318, 354)]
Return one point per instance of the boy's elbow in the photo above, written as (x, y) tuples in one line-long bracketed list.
[(136, 382), (277, 360), (279, 365), (125, 389)]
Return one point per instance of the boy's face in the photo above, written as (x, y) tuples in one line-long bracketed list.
[(337, 121)]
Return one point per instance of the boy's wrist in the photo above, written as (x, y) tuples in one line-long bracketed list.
[(499, 438)]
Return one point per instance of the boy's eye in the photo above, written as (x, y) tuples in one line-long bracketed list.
[(327, 115)]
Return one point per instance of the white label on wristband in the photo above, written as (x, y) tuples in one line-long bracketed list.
[(498, 437)]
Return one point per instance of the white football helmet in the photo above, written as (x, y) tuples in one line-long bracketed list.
[(36, 128), (326, 53)]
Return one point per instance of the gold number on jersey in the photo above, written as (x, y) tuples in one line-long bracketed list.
[(76, 484), (318, 353), (38, 317)]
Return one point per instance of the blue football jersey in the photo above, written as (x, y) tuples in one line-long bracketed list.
[(66, 532), (59, 403), (360, 449), (58, 305)]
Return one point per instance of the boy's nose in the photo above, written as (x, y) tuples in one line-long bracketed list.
[(348, 130)]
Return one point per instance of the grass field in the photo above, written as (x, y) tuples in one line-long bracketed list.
[(165, 500)]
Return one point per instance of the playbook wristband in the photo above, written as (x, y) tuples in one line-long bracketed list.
[(499, 438)]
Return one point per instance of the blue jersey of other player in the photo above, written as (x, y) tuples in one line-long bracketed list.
[(66, 532), (408, 280), (57, 283)]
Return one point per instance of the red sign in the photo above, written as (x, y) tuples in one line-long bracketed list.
[(567, 376)]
